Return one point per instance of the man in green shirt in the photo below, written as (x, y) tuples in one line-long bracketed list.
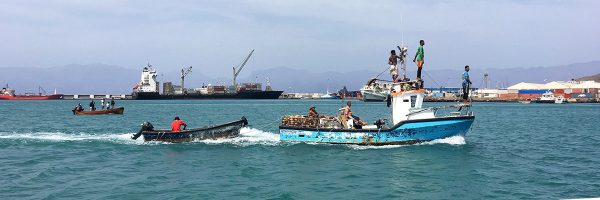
[(419, 59)]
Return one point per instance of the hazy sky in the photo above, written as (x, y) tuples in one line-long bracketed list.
[(317, 35)]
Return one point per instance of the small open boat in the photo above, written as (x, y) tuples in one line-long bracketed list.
[(100, 112), (226, 130)]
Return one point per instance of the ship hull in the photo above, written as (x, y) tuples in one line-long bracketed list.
[(543, 101), (193, 96), (33, 97), (373, 97)]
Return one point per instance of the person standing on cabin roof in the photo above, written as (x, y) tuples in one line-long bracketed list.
[(466, 84), (393, 62), (176, 125), (420, 60)]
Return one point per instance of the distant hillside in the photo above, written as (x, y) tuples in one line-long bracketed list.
[(590, 78), (101, 78)]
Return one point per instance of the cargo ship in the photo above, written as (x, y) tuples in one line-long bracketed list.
[(9, 94), (149, 89)]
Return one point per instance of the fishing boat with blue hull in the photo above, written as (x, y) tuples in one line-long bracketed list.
[(411, 123)]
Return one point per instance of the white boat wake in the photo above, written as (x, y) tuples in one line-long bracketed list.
[(124, 138), (247, 137), (454, 140)]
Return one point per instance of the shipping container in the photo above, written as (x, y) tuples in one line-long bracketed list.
[(593, 90), (568, 91), (529, 96), (509, 96), (583, 95), (559, 91), (576, 90)]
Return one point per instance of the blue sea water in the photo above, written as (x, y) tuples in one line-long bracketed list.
[(513, 151)]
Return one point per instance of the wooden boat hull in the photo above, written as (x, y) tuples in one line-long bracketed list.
[(226, 130), (119, 111)]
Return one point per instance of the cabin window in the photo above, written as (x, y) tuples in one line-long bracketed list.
[(413, 101), (405, 100)]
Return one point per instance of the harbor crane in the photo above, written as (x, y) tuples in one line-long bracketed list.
[(184, 72), (239, 69)]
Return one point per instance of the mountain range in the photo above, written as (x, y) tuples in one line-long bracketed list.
[(112, 79)]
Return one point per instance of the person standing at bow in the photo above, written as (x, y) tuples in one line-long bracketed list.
[(466, 85)]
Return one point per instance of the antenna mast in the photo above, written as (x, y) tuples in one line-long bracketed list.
[(403, 51)]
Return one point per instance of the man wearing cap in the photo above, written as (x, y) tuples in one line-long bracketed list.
[(176, 125)]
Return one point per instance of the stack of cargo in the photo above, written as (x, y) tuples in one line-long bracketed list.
[(531, 94), (250, 86), (509, 94), (218, 89), (299, 120)]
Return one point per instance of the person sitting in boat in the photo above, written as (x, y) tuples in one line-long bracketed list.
[(79, 108), (312, 112), (176, 125), (107, 105), (347, 115)]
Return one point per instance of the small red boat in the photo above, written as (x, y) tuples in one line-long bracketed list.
[(100, 112), (9, 94)]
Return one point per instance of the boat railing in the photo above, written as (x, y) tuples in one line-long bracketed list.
[(390, 85), (463, 110)]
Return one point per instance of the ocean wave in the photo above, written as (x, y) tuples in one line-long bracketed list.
[(248, 136), (65, 137)]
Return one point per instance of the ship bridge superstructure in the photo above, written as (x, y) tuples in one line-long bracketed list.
[(148, 81)]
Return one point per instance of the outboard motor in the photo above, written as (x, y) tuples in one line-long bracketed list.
[(245, 122), (146, 126), (379, 123)]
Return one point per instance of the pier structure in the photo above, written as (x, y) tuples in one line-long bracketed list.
[(96, 96)]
